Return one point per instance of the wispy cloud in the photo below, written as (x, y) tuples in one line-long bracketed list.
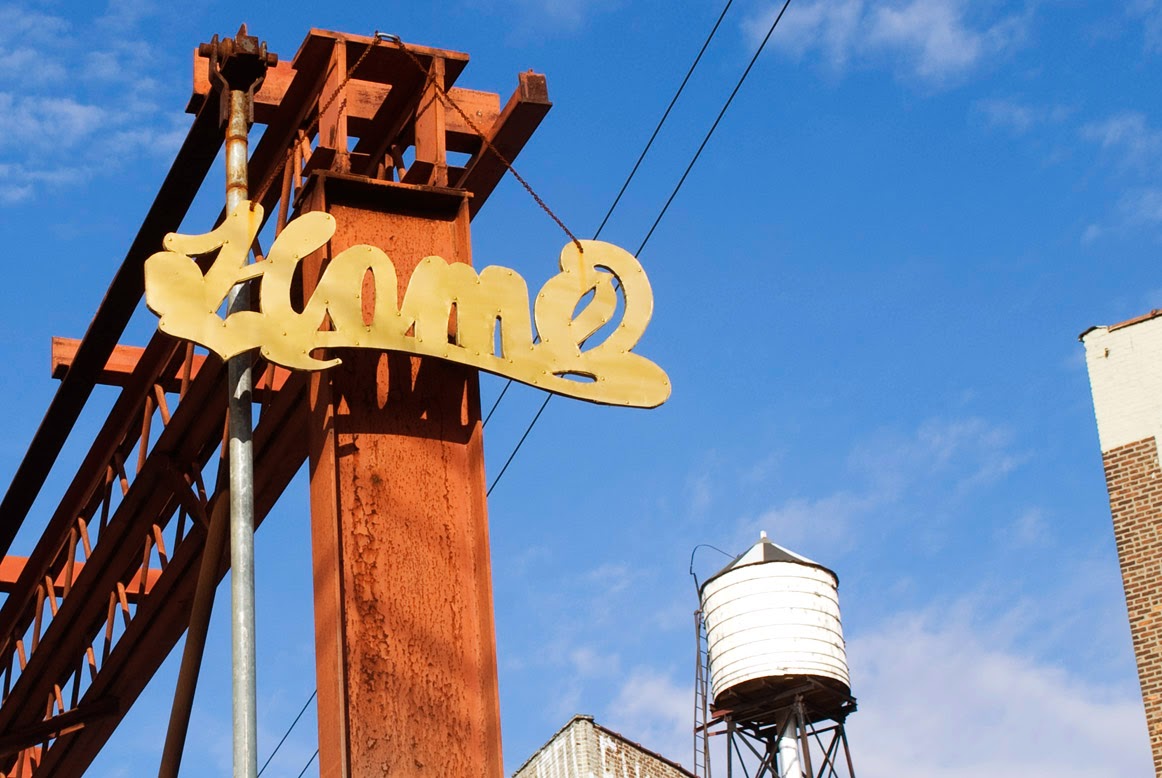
[(924, 680), (1127, 136), (1132, 150), (654, 709), (76, 102), (1149, 13), (1141, 206), (1017, 116), (935, 42), (942, 461)]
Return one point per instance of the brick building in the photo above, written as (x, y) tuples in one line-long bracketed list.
[(1125, 374), (585, 749)]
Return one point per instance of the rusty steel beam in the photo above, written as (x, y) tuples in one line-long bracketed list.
[(123, 361), (63, 724), (12, 566), (191, 434), (387, 556), (279, 449), (177, 192), (364, 103), (516, 124)]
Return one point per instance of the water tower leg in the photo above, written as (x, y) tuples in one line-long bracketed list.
[(790, 765)]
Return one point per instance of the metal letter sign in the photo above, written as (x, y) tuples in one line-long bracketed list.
[(188, 302)]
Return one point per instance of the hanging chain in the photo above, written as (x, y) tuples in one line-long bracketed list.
[(446, 99)]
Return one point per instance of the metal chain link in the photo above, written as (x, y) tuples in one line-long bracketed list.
[(448, 101)]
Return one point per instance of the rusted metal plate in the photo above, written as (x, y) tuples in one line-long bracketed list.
[(365, 103), (404, 629)]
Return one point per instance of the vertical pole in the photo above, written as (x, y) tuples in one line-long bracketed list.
[(790, 765), (239, 381), (729, 747)]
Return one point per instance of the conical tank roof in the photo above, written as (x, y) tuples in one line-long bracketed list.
[(766, 551)]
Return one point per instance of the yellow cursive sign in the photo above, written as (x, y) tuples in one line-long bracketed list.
[(492, 328)]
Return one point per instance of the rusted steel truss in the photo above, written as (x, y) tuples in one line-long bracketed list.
[(106, 592)]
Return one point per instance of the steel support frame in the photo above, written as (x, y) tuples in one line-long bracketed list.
[(79, 631), (753, 747)]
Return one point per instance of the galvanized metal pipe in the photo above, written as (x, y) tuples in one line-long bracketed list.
[(241, 452)]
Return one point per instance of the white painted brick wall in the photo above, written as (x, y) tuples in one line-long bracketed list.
[(583, 749), (1125, 375)]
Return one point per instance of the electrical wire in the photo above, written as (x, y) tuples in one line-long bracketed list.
[(308, 764), (714, 126), (596, 234), (288, 731), (658, 220), (633, 172), (662, 121)]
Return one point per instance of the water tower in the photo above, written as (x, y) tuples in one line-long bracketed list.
[(772, 677)]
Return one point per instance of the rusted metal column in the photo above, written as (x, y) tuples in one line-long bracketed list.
[(405, 644)]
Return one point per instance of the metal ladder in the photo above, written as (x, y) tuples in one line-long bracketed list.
[(701, 701)]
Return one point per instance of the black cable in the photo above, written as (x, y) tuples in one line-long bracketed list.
[(665, 207), (308, 764), (288, 731), (662, 121), (637, 164), (714, 126), (518, 445), (695, 551)]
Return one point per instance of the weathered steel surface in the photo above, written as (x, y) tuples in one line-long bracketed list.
[(81, 631), (404, 629)]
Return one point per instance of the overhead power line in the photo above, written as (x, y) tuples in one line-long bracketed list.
[(658, 220), (308, 764), (597, 234), (633, 172), (288, 731)]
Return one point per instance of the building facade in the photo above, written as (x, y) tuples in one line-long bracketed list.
[(1125, 373), (585, 749)]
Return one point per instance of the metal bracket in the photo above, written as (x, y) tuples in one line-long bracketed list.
[(237, 64)]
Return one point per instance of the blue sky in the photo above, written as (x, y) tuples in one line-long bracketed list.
[(868, 296)]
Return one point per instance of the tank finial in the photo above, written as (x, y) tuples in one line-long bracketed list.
[(762, 534)]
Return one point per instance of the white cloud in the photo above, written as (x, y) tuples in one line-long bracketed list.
[(1142, 206), (827, 524), (947, 699), (967, 452), (653, 709), (1028, 530), (42, 123), (1149, 12), (17, 23), (1017, 116), (1128, 135), (76, 101), (941, 695), (937, 41), (939, 463)]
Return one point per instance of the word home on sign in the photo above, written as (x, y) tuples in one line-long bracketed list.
[(492, 328)]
